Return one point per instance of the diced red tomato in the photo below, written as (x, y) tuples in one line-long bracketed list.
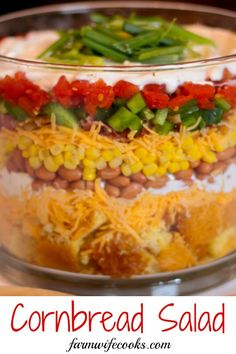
[(125, 89), (179, 100), (198, 90), (99, 95), (155, 96), (229, 93), (22, 92), (205, 103), (70, 94)]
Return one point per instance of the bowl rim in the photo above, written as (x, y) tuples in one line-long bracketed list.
[(94, 5), (175, 277)]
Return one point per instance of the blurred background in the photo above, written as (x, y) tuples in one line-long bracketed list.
[(10, 5)]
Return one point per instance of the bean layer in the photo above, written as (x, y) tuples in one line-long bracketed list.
[(112, 191), (108, 173), (131, 191), (69, 175), (44, 174), (120, 181)]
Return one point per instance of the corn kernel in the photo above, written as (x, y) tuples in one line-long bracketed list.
[(70, 165), (136, 167), (10, 146), (150, 158), (24, 142), (67, 155), (50, 164), (68, 147), (35, 162), (173, 167), (89, 174), (194, 153), (141, 153), (89, 163), (92, 153), (43, 154), (115, 162), (184, 165), (167, 147), (59, 159), (25, 154), (116, 152), (56, 149), (220, 146), (107, 155), (150, 169), (233, 137), (126, 170), (80, 153), (187, 143), (100, 163), (161, 170), (209, 156), (33, 151)]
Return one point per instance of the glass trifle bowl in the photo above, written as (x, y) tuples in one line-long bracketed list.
[(118, 146)]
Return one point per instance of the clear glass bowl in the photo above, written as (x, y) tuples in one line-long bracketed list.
[(192, 252)]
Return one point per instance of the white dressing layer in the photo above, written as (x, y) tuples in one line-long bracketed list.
[(31, 45), (12, 183)]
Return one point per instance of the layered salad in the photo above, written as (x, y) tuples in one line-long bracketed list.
[(112, 163)]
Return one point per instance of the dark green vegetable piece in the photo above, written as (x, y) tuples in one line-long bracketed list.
[(188, 107), (212, 116), (128, 46), (122, 119), (80, 113), (52, 49), (16, 111), (119, 102), (107, 52), (160, 116), (103, 114), (165, 128), (99, 18), (162, 59), (136, 103), (64, 116), (98, 37), (161, 51), (223, 104), (132, 28), (146, 113), (189, 119)]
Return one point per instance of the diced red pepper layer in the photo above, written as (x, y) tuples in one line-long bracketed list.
[(155, 96), (99, 95), (125, 89), (179, 100), (22, 92), (229, 93)]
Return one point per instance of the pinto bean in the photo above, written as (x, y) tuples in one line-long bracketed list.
[(158, 182), (218, 167), (139, 178), (108, 173), (112, 191), (19, 160), (78, 185), (120, 181), (194, 164), (185, 174), (69, 175), (204, 168), (11, 165), (226, 154), (90, 185), (37, 184), (29, 169), (60, 183), (44, 174), (201, 177), (131, 191)]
